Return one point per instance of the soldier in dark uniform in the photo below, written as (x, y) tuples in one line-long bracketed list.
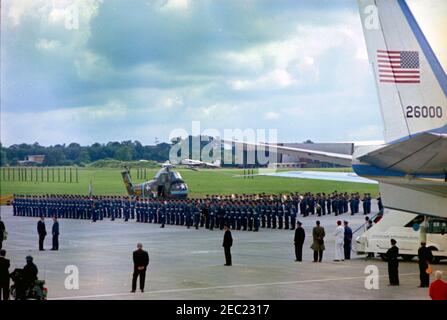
[(364, 204), (256, 218), (299, 241), (303, 206), (244, 215), (188, 214), (206, 214), (356, 203), (329, 204), (14, 205), (318, 206), (393, 263), (368, 203), (128, 205), (379, 203), (95, 210), (212, 215), (311, 204), (292, 217), (145, 210), (323, 204), (317, 246), (262, 208), (268, 213), (287, 207), (161, 213), (138, 210), (196, 210), (425, 258), (274, 209), (132, 207), (351, 205)]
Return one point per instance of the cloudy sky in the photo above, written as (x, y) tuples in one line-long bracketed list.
[(95, 71)]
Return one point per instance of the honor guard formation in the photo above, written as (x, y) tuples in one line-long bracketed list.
[(239, 212)]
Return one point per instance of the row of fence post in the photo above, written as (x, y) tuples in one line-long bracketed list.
[(249, 173), (141, 173), (40, 174)]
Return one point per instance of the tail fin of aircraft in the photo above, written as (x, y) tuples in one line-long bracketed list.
[(127, 181), (411, 83)]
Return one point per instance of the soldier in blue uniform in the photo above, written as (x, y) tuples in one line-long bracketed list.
[(250, 221), (138, 210), (161, 213), (335, 204), (127, 205), (274, 207), (280, 214), (188, 215), (145, 210), (352, 205), (293, 217), (256, 218), (286, 209), (368, 203), (212, 213), (261, 211), (195, 206), (303, 205), (94, 212), (268, 213), (328, 204), (379, 203)]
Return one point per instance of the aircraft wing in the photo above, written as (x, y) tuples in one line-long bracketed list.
[(336, 158), (425, 153), (321, 175)]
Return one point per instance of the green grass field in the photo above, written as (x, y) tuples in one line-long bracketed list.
[(200, 183)]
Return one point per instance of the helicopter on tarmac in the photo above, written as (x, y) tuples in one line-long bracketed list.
[(166, 183)]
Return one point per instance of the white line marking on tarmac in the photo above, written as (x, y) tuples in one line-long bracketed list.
[(250, 285)]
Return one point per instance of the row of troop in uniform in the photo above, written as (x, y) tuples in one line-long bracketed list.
[(246, 212), (309, 204), (72, 206)]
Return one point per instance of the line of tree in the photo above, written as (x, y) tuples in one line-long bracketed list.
[(75, 154)]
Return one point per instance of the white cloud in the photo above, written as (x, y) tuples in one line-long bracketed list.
[(177, 4), (367, 132), (172, 102), (297, 59), (61, 125), (48, 45), (271, 115), (277, 78)]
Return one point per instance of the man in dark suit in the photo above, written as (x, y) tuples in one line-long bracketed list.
[(55, 232), (227, 243), (140, 262), (299, 241), (2, 232), (347, 241), (41, 230), (393, 264), (425, 258), (4, 276)]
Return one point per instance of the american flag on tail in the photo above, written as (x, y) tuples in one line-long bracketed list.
[(398, 66)]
